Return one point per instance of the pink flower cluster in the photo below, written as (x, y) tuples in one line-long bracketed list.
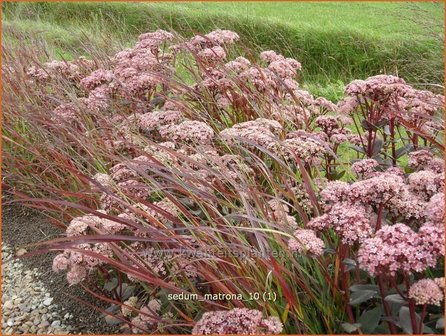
[(377, 190), (398, 248), (364, 168), (212, 55), (78, 263), (153, 120), (280, 212), (193, 131), (306, 242), (237, 321), (217, 37), (392, 98), (350, 222), (306, 148), (375, 86), (420, 159), (426, 291), (425, 183), (71, 70), (147, 319), (261, 131)]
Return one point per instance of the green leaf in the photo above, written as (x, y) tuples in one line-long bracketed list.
[(358, 149), (405, 320), (395, 298), (440, 323), (349, 328), (127, 291), (427, 330), (350, 263), (362, 296), (111, 320), (355, 288), (403, 150), (369, 320), (111, 284), (377, 146)]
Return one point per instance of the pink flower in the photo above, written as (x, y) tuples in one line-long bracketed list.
[(377, 190), (376, 86), (188, 131), (305, 242), (60, 263), (327, 106), (152, 120), (66, 113), (440, 282), (222, 37), (76, 274), (364, 167), (307, 149), (80, 225), (270, 56), (426, 291), (212, 55), (238, 65), (431, 242), (286, 68), (96, 78), (260, 131), (334, 192), (351, 222), (236, 321), (425, 183), (154, 40), (434, 210), (397, 248), (420, 159)]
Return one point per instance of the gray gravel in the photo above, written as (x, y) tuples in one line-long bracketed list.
[(27, 306)]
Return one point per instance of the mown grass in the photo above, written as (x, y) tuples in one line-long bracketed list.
[(335, 42)]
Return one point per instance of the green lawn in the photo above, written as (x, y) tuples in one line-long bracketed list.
[(335, 42)]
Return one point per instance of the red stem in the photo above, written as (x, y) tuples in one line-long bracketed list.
[(413, 316), (392, 139), (387, 310), (379, 219), (344, 283), (423, 315)]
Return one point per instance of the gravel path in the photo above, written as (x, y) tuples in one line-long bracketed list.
[(27, 306), (33, 280)]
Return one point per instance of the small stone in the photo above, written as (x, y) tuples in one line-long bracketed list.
[(24, 308), (43, 324), (20, 252), (9, 304), (55, 323), (10, 322), (48, 301)]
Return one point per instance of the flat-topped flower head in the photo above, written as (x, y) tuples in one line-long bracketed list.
[(364, 168), (192, 131), (306, 242), (377, 190), (236, 321), (398, 248), (434, 210), (426, 291), (420, 159)]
